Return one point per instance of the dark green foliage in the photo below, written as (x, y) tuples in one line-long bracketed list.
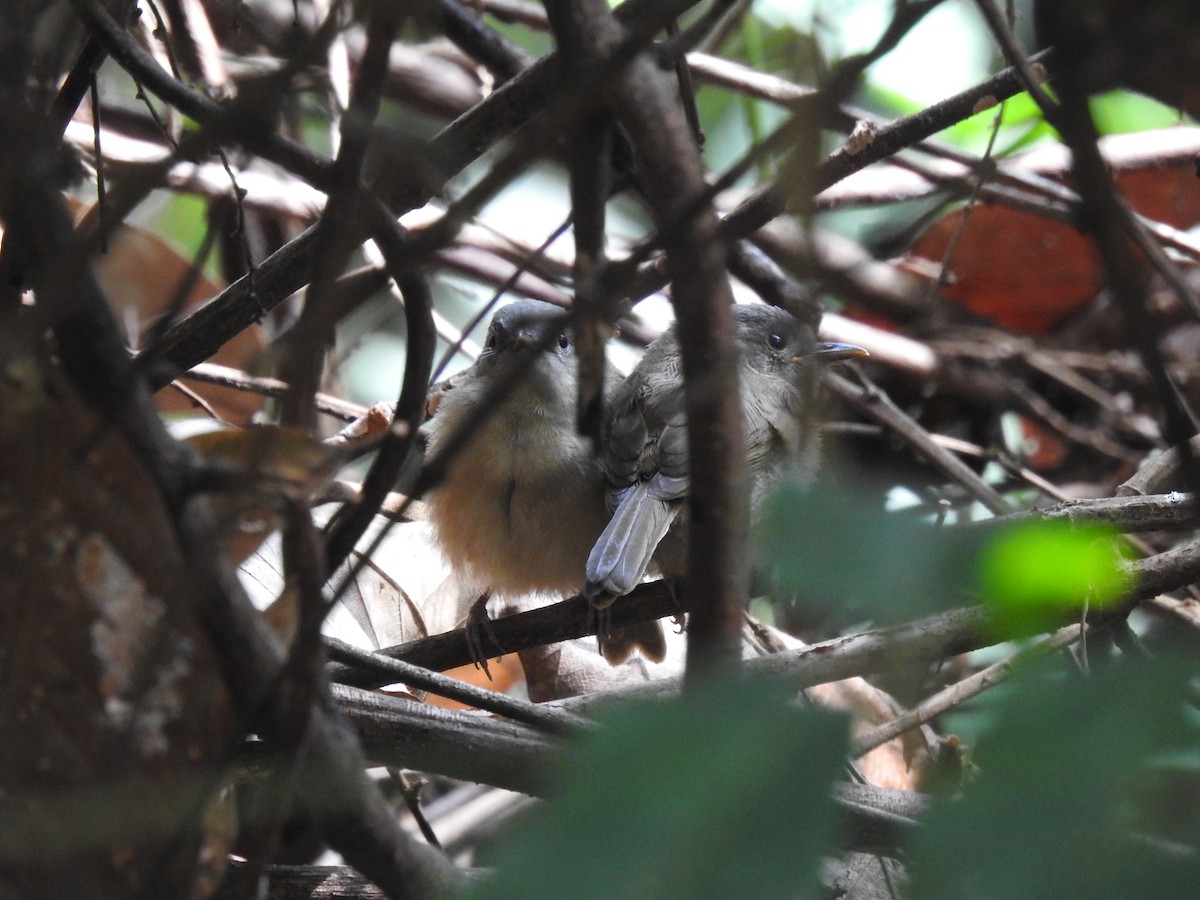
[(1058, 807), (721, 794)]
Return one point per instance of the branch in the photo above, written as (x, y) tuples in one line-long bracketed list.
[(769, 202), (961, 691), (932, 639), (354, 816), (536, 716), (1157, 512), (717, 569), (564, 621), (240, 121), (874, 404), (287, 270)]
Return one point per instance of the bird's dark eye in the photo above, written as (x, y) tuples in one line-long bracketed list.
[(563, 341), (776, 341)]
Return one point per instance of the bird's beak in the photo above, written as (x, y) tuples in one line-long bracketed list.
[(832, 351), (520, 339)]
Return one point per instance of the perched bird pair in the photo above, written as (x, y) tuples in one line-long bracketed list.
[(530, 505)]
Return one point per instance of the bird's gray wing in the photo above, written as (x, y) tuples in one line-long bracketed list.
[(644, 513), (627, 441)]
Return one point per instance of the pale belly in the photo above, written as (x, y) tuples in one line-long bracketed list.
[(515, 535)]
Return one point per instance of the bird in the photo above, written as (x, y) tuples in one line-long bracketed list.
[(646, 458), (524, 499)]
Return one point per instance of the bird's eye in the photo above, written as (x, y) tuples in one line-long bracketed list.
[(563, 341), (776, 341)]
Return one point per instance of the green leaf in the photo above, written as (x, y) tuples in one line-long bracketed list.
[(1054, 811), (722, 794), (1118, 112), (1032, 573), (834, 550)]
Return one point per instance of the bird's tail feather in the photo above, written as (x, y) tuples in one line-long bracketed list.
[(622, 554)]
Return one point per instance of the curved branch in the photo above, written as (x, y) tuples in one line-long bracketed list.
[(239, 121)]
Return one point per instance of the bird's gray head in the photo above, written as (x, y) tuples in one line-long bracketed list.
[(774, 342), (532, 327), (783, 365), (782, 357)]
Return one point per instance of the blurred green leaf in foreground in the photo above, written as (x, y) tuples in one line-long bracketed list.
[(1076, 779), (823, 548), (723, 793)]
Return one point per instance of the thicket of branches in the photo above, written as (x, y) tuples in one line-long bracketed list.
[(164, 736)]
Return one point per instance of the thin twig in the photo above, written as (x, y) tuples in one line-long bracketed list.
[(872, 402), (960, 692), (543, 718)]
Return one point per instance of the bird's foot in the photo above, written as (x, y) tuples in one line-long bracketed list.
[(477, 627)]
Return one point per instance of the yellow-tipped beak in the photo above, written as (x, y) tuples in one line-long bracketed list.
[(832, 351)]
